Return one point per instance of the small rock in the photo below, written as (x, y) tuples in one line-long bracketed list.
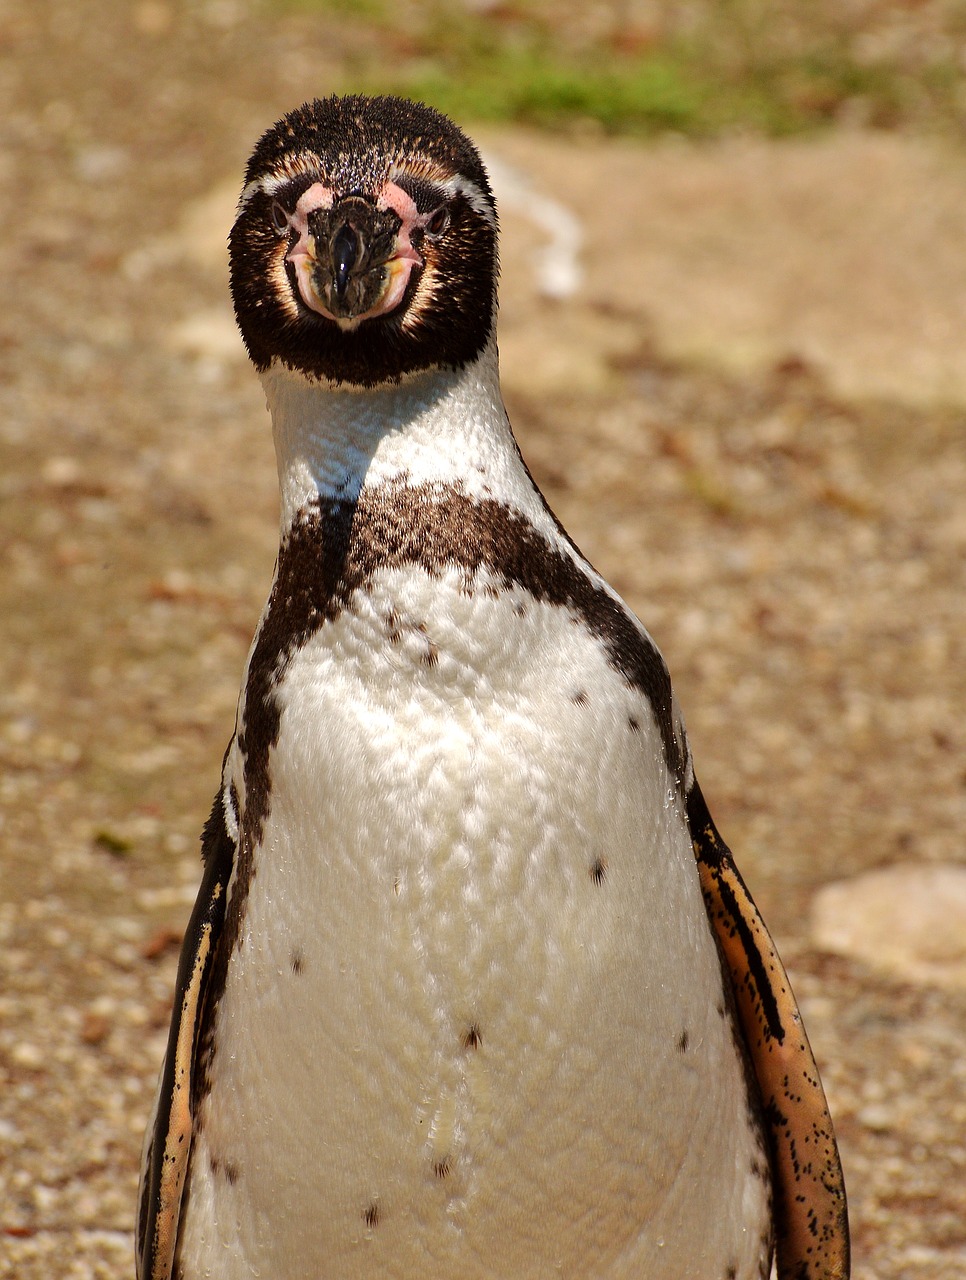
[(99, 164), (209, 334), (60, 471), (95, 1028), (27, 1055), (908, 921), (160, 943), (879, 1119)]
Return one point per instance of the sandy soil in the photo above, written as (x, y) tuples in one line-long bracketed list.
[(751, 415)]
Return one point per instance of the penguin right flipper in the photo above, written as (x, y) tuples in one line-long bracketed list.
[(165, 1163), (811, 1214)]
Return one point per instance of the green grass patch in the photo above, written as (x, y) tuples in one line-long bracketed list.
[(516, 63), (529, 87)]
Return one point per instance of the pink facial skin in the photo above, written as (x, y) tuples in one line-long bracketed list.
[(302, 255)]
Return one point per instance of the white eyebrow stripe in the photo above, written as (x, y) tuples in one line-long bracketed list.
[(472, 194), (457, 185), (302, 165), (268, 183)]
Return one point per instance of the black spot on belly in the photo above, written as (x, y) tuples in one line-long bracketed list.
[(684, 1040), (472, 1037), (442, 1167), (396, 628), (598, 870), (232, 1172), (579, 699), (298, 960), (371, 1214), (732, 1271), (634, 724)]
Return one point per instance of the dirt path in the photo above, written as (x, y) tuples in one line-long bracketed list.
[(702, 416)]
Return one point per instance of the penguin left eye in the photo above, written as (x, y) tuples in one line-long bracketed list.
[(438, 222), (279, 218)]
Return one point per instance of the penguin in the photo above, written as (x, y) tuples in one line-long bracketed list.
[(473, 989)]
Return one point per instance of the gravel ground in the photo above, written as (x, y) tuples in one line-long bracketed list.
[(789, 522)]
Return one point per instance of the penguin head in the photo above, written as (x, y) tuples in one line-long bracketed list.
[(364, 247)]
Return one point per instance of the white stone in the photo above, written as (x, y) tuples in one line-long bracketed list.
[(908, 921)]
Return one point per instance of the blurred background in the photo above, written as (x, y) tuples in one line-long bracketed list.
[(733, 309)]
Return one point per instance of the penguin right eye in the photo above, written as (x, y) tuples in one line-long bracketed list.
[(438, 222)]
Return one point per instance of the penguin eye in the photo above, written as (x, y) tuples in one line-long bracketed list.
[(438, 222), (279, 218)]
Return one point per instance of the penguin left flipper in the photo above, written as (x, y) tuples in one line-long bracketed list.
[(811, 1219), (166, 1154)]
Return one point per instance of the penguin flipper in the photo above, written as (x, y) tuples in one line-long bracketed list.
[(168, 1145), (811, 1214)]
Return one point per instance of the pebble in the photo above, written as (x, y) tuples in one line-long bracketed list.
[(907, 921), (25, 1054)]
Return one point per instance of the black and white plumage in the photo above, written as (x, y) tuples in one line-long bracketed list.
[(472, 987)]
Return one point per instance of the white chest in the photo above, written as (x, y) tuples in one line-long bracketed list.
[(474, 1025)]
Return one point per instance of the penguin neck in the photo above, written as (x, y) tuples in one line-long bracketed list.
[(442, 426)]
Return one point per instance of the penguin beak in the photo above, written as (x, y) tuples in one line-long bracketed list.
[(353, 261), (346, 248)]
